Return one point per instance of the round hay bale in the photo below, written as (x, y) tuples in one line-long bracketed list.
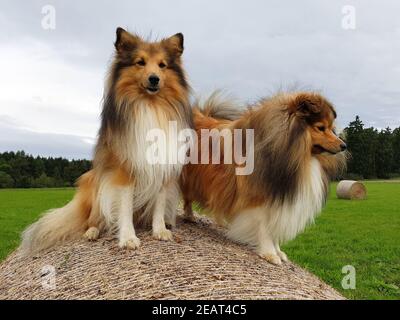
[(200, 264), (350, 189)]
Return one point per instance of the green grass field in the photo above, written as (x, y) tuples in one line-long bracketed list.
[(364, 234), (20, 207)]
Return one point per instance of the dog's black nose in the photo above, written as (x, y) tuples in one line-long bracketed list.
[(343, 146), (154, 80)]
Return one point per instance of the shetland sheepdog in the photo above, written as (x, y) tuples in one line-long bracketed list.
[(146, 89), (296, 153)]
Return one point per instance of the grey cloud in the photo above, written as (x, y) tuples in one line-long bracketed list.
[(14, 138), (249, 48)]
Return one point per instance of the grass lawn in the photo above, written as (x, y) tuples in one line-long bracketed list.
[(20, 207), (364, 234)]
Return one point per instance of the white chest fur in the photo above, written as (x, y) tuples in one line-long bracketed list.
[(283, 222), (149, 178), (291, 218)]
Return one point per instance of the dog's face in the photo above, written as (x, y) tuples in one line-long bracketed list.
[(149, 69), (319, 116)]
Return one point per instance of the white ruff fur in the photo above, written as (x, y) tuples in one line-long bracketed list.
[(154, 192), (267, 227)]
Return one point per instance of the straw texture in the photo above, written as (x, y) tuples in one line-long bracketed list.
[(200, 264)]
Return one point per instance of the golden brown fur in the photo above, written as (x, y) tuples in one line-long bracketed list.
[(146, 88), (290, 130)]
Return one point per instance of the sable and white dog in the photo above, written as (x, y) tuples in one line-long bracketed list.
[(145, 90), (296, 152)]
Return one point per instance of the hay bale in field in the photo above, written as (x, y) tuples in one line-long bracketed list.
[(350, 189), (200, 264)]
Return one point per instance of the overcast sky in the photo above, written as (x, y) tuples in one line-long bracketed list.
[(51, 80)]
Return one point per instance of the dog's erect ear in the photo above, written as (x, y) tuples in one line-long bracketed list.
[(175, 44), (305, 105), (125, 41)]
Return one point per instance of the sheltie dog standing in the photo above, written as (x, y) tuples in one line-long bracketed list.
[(296, 152), (146, 89)]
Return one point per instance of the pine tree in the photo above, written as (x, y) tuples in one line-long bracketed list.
[(357, 147), (384, 154), (396, 150)]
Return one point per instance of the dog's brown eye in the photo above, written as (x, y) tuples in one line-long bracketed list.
[(321, 128), (141, 63), (162, 65)]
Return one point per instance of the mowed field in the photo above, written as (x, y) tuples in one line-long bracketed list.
[(364, 234)]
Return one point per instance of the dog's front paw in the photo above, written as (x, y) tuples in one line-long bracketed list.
[(283, 256), (131, 243), (91, 234), (272, 258), (164, 235)]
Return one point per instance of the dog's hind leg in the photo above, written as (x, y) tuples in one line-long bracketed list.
[(92, 234), (188, 211), (95, 223)]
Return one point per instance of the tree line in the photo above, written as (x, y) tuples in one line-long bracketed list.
[(21, 170), (374, 154)]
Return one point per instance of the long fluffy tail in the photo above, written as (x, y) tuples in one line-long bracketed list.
[(57, 225), (217, 106)]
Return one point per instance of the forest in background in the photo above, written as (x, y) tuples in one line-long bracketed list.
[(21, 170), (374, 154)]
